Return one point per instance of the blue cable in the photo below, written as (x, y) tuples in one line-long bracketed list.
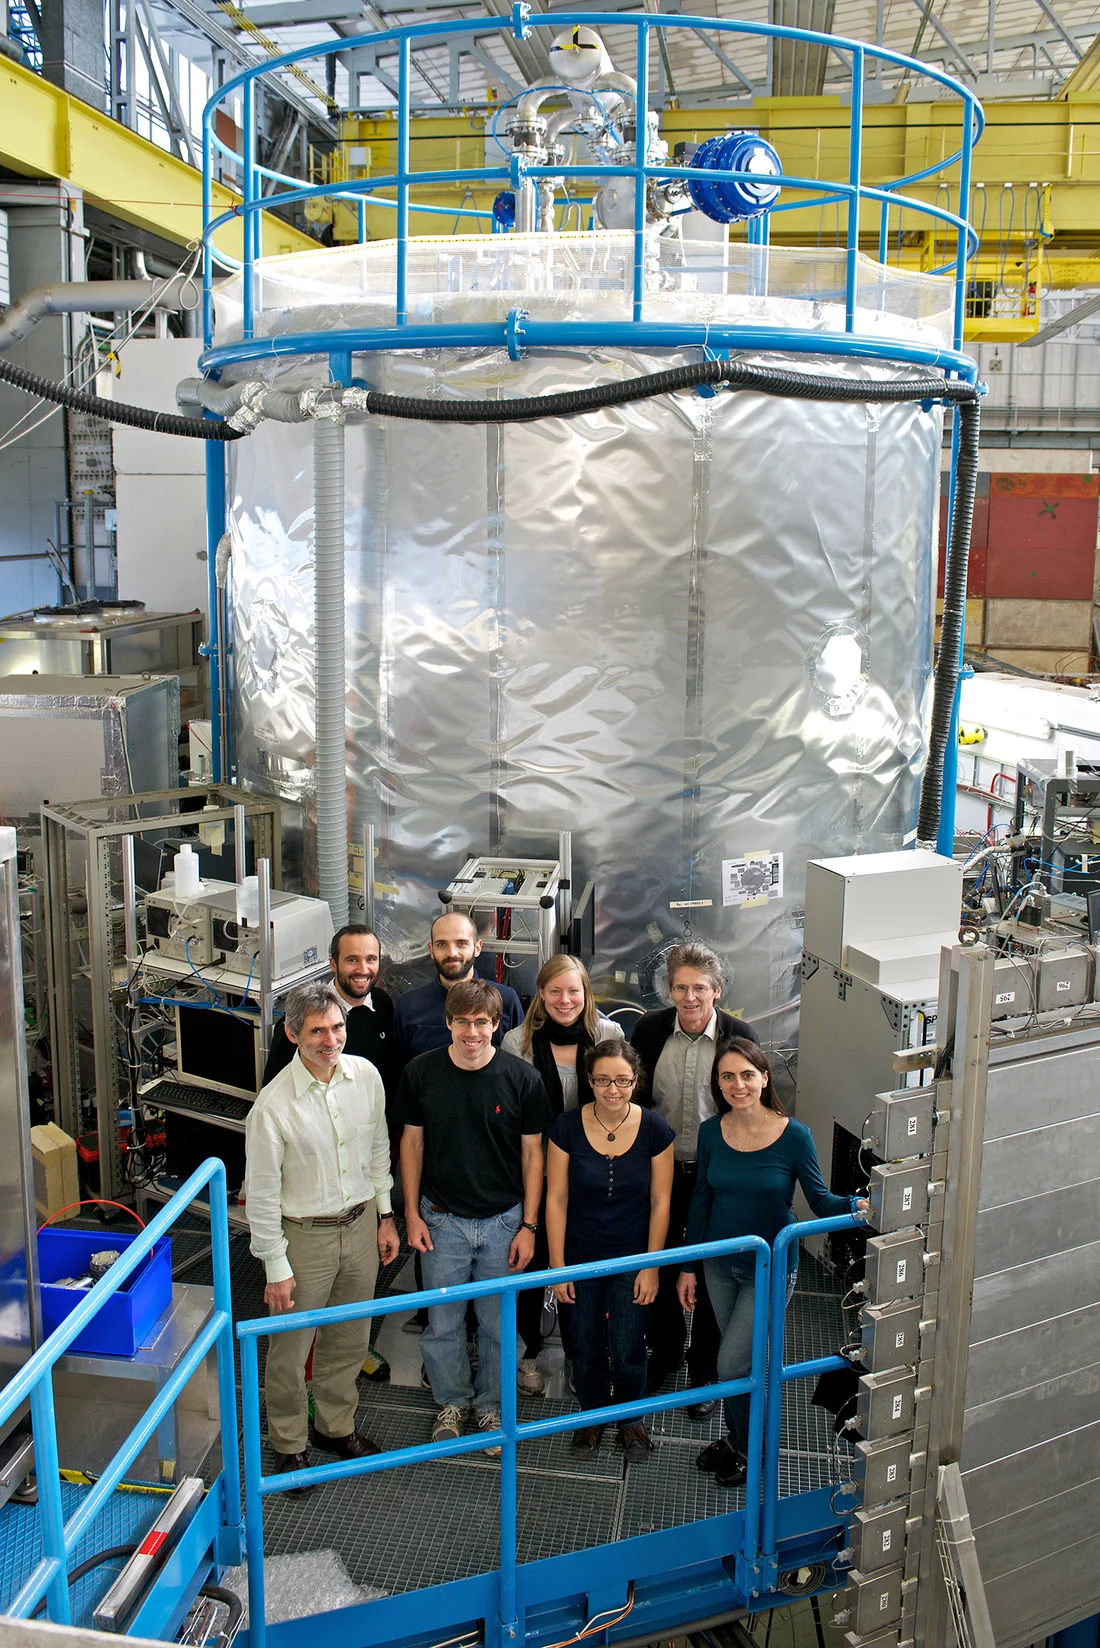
[(204, 982)]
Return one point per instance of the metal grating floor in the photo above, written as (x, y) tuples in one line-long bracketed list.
[(127, 1515), (418, 1526)]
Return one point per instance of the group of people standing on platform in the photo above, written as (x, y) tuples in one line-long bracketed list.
[(534, 1140)]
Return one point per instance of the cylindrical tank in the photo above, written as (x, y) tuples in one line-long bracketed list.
[(696, 630)]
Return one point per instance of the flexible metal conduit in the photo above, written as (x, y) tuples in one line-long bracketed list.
[(328, 641)]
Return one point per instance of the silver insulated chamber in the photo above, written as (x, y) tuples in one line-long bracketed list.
[(696, 630)]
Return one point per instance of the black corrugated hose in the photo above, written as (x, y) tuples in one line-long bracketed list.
[(140, 417), (738, 375)]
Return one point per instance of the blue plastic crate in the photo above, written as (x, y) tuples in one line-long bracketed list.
[(124, 1320)]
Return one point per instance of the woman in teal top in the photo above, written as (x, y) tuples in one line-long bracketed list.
[(751, 1155)]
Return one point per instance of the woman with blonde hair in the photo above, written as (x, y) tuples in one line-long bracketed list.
[(562, 1024)]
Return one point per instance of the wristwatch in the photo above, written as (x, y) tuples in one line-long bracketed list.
[(534, 1229)]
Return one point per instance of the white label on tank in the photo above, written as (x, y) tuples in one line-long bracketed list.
[(887, 1539), (907, 1198), (911, 1127), (895, 1412), (883, 1601), (1062, 984), (891, 1473), (899, 1341), (1005, 997), (902, 1266)]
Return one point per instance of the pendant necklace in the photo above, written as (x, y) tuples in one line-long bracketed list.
[(603, 1125)]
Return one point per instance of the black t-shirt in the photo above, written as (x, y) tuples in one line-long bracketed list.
[(473, 1121), (608, 1212)]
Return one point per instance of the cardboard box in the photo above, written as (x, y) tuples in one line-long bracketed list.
[(55, 1177)]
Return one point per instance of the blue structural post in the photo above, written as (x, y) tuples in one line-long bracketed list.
[(51, 1513), (248, 168), (855, 172), (883, 233), (509, 1614), (253, 1502), (945, 838), (215, 527), (402, 276), (641, 152), (229, 1550), (760, 1303)]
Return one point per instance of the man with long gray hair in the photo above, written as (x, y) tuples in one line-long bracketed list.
[(317, 1191)]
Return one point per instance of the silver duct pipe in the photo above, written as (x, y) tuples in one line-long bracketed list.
[(244, 405), (92, 297), (330, 771)]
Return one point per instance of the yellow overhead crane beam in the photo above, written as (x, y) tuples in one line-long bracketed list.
[(46, 133)]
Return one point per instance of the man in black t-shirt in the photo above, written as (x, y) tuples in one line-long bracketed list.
[(355, 957), (471, 1164)]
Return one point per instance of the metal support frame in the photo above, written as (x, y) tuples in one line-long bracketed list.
[(93, 832)]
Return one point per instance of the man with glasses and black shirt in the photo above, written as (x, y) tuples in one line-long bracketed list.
[(472, 1166), (676, 1045)]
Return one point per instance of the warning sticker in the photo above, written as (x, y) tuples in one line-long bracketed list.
[(755, 879)]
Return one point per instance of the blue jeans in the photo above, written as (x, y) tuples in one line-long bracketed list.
[(730, 1282), (608, 1341), (465, 1250)]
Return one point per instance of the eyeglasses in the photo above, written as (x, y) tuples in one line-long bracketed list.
[(472, 1024), (613, 1081), (685, 990)]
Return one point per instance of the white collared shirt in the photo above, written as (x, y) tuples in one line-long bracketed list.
[(314, 1148), (681, 1085)]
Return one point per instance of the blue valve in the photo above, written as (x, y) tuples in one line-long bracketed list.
[(729, 200)]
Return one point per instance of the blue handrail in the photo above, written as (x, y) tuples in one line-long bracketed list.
[(33, 1382), (853, 191), (511, 1432)]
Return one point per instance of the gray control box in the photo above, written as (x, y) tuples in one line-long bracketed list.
[(885, 1404), (874, 1599), (895, 1266), (882, 1469), (1013, 988), (899, 1195), (878, 1537), (891, 1336), (1064, 978), (900, 1125)]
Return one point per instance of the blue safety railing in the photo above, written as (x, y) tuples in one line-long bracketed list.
[(33, 1382), (754, 1560), (851, 192)]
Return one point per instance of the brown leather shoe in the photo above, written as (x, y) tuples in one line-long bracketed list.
[(344, 1447), (636, 1443), (295, 1462), (586, 1441)]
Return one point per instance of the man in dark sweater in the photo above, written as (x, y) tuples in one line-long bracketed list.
[(472, 1165), (676, 1045), (355, 957), (419, 1021)]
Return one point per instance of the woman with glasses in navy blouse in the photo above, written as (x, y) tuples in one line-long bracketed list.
[(609, 1179)]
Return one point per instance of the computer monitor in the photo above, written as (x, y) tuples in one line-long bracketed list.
[(1093, 902), (219, 1050)]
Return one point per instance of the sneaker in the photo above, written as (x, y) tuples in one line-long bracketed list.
[(636, 1443), (375, 1367), (450, 1423), (529, 1377), (490, 1421)]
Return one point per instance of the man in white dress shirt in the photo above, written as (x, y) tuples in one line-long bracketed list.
[(317, 1192)]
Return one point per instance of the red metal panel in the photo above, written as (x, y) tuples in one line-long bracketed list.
[(1059, 574), (979, 536), (1046, 522)]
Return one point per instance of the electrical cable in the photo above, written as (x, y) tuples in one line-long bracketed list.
[(111, 1554), (138, 417)]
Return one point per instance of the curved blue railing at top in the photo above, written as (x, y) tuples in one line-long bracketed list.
[(755, 1561), (49, 1578), (851, 193)]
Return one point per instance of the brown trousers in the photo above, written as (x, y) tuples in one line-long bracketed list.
[(332, 1266)]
